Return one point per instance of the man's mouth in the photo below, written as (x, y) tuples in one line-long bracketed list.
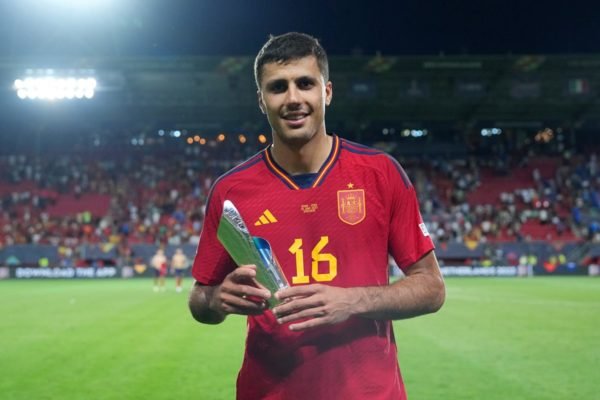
[(295, 116)]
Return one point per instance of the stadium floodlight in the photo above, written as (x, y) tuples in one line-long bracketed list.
[(415, 133), (91, 5), (47, 85), (491, 132)]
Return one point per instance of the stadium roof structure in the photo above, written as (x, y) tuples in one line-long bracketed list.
[(451, 92)]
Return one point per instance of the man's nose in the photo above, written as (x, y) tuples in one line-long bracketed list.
[(293, 95)]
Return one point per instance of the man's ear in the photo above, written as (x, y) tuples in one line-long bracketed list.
[(328, 93), (261, 105)]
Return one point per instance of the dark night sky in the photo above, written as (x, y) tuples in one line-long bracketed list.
[(238, 27)]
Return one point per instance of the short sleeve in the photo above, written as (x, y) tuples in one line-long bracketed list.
[(409, 239), (212, 263)]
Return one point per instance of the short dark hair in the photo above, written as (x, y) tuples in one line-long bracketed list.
[(287, 47)]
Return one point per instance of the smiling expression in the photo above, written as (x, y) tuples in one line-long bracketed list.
[(294, 95)]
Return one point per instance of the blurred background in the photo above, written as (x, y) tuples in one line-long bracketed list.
[(117, 116)]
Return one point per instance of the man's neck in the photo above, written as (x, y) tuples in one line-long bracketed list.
[(303, 159)]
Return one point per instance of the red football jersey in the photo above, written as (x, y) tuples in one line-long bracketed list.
[(361, 206)]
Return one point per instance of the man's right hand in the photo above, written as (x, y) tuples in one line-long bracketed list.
[(240, 293)]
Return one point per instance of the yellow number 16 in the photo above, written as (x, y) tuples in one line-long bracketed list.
[(328, 273)]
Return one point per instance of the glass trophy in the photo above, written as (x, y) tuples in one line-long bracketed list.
[(246, 249)]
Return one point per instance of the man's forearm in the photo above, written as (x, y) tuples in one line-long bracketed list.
[(412, 296), (200, 301)]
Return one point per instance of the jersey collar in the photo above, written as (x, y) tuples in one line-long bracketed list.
[(321, 174)]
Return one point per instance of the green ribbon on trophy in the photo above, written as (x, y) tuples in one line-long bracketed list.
[(246, 249)]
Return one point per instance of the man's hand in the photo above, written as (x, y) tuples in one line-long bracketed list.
[(317, 305), (422, 291), (240, 293)]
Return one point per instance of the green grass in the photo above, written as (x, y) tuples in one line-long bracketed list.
[(535, 339)]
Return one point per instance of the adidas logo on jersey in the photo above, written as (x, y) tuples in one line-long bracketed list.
[(266, 218)]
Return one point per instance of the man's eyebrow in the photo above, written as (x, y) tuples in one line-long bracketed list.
[(306, 78), (275, 82)]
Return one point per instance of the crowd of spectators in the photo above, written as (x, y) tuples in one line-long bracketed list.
[(157, 196), (564, 203)]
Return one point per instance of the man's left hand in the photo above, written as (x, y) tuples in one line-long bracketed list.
[(317, 305)]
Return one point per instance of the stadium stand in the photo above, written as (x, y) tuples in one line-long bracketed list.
[(118, 208)]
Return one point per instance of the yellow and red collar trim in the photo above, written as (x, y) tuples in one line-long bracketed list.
[(325, 168)]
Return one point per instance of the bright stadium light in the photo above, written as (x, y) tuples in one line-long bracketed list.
[(491, 132), (46, 85), (79, 4), (415, 133)]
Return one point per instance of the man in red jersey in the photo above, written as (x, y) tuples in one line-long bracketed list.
[(332, 210)]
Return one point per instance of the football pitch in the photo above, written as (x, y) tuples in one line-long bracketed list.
[(496, 338)]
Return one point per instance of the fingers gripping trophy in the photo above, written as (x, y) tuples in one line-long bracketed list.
[(250, 250)]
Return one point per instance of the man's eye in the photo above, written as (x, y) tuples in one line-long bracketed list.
[(305, 84), (278, 87)]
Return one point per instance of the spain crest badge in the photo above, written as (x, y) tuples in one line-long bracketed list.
[(351, 206)]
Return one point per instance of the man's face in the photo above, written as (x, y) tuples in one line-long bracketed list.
[(293, 95)]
